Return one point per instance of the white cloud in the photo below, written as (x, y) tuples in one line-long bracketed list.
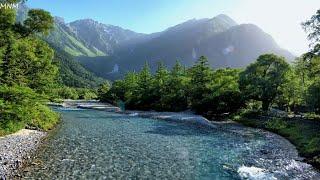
[(280, 18)]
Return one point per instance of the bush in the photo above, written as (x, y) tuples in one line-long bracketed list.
[(21, 106), (86, 94), (275, 124)]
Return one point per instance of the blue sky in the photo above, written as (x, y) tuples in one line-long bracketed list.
[(143, 16), (280, 18)]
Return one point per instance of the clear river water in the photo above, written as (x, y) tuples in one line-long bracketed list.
[(91, 144)]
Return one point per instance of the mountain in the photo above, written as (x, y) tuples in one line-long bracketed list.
[(221, 39), (100, 36), (65, 38), (110, 51), (66, 45)]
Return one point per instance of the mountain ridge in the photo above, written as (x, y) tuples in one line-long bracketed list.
[(102, 48), (222, 40)]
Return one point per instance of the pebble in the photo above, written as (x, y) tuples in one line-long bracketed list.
[(15, 148)]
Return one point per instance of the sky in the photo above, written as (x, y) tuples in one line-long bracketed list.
[(279, 18)]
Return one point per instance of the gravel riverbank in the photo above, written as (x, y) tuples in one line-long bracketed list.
[(16, 148)]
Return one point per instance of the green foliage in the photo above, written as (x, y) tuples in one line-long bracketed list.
[(312, 27), (313, 98), (200, 78), (72, 73), (67, 93), (26, 71), (291, 94), (261, 80), (209, 92), (86, 94), (226, 96), (21, 107), (103, 91), (174, 92), (275, 124), (38, 21)]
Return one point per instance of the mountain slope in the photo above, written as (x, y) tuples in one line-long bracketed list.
[(100, 36), (65, 44), (63, 37), (73, 74), (223, 41)]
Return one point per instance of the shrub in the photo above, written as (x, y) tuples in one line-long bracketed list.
[(21, 106)]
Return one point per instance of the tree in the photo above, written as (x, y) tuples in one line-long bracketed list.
[(144, 91), (175, 96), (26, 70), (225, 96), (103, 91), (159, 86), (313, 98), (312, 61), (20, 48), (293, 90), (312, 26), (200, 78), (38, 21), (130, 84), (261, 80)]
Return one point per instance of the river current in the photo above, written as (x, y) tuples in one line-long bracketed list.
[(91, 144)]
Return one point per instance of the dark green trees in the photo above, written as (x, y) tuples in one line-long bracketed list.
[(26, 71), (26, 60), (262, 79), (200, 78), (312, 61), (312, 28), (200, 88), (174, 97)]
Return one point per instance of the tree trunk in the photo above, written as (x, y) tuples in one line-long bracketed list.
[(265, 105)]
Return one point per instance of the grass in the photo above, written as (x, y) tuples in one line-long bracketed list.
[(302, 132)]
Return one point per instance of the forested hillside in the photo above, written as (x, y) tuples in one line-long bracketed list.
[(73, 74)]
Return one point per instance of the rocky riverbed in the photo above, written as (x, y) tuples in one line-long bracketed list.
[(16, 148)]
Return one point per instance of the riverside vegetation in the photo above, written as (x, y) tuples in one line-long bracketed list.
[(33, 73), (245, 95)]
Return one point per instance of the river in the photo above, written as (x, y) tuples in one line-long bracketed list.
[(91, 144)]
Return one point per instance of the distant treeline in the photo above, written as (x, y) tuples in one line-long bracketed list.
[(268, 82)]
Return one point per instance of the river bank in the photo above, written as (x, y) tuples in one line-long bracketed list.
[(303, 133), (16, 148)]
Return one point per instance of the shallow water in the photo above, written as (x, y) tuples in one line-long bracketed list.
[(93, 144)]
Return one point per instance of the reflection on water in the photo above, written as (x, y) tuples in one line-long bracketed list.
[(99, 145)]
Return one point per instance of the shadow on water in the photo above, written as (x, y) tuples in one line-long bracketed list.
[(181, 129)]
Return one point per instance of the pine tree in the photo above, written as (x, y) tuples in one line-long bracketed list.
[(200, 78)]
